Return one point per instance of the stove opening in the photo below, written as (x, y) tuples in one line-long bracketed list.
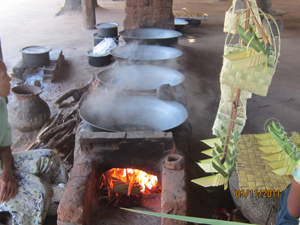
[(127, 187)]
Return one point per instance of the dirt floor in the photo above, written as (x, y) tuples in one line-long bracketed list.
[(33, 22)]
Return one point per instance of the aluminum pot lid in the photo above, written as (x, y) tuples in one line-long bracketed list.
[(106, 25), (35, 49)]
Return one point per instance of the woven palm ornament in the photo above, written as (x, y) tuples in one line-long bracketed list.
[(255, 79), (223, 115), (227, 93), (253, 171), (249, 70)]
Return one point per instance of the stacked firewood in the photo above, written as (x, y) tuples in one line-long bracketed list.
[(58, 133)]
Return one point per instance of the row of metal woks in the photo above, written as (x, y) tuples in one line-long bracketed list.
[(146, 36), (139, 90)]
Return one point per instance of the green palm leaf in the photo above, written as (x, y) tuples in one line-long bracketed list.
[(187, 218)]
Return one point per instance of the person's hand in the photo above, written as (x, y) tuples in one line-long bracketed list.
[(8, 186)]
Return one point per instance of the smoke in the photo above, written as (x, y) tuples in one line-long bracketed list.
[(126, 100), (114, 111), (140, 77)]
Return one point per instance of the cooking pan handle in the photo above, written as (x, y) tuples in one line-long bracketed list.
[(164, 92)]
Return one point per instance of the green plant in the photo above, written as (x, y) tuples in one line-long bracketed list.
[(249, 36), (187, 218)]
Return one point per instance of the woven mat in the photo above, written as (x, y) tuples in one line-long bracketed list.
[(252, 170)]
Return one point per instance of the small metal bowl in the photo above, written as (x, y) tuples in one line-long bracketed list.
[(180, 24)]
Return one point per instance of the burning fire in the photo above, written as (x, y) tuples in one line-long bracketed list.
[(135, 177)]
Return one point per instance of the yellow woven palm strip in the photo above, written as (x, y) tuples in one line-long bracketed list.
[(253, 172), (270, 149), (208, 152), (247, 58), (262, 136), (213, 180), (211, 142)]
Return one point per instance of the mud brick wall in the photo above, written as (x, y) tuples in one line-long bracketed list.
[(149, 14)]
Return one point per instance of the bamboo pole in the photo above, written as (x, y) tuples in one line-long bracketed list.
[(264, 36), (235, 104)]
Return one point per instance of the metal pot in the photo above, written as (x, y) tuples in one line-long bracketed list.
[(139, 77), (131, 113), (145, 54), (151, 36), (180, 24), (98, 60), (108, 29), (194, 22), (35, 56)]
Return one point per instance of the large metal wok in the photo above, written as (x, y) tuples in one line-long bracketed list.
[(143, 54), (132, 113), (151, 36), (140, 77)]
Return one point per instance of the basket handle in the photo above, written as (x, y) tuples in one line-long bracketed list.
[(264, 37)]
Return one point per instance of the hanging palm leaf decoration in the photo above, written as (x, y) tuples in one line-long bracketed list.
[(221, 172), (282, 150)]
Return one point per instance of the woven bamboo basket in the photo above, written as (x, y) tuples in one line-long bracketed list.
[(256, 76)]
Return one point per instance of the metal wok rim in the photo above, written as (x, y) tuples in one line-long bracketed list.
[(176, 52), (113, 25), (125, 34), (182, 108), (144, 66), (179, 21)]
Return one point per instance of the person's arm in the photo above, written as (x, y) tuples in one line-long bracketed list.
[(8, 185), (293, 200)]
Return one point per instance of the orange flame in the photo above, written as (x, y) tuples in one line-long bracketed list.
[(137, 176)]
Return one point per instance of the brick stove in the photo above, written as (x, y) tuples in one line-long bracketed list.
[(153, 152), (149, 14)]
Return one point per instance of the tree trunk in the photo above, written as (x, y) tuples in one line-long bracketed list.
[(73, 5)]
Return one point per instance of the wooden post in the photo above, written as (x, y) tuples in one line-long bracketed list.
[(88, 12)]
